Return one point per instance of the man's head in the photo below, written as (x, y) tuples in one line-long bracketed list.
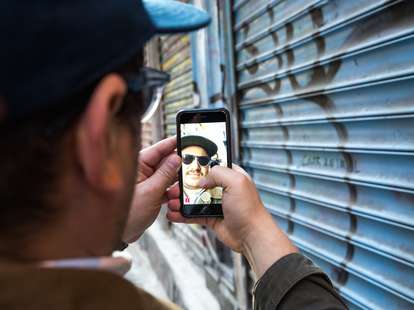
[(69, 123), (196, 153)]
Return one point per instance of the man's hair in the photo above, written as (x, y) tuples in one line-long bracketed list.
[(30, 162)]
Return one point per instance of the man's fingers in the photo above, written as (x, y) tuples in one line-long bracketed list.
[(155, 153), (166, 174), (174, 191), (174, 204)]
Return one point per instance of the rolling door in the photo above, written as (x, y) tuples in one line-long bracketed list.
[(178, 94), (326, 100), (176, 60)]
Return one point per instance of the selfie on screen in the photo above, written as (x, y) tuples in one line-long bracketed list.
[(203, 146)]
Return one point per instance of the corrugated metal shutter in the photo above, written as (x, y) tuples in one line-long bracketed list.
[(326, 98), (176, 60)]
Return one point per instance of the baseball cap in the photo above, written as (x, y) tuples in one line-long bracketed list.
[(209, 146), (51, 49)]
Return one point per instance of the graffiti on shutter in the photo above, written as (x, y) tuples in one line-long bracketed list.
[(326, 100)]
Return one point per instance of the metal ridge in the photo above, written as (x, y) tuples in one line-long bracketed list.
[(256, 13), (320, 31), (347, 179), (287, 146), (358, 273), (249, 104), (263, 187), (240, 4), (325, 60), (332, 89), (278, 25), (343, 237), (271, 123)]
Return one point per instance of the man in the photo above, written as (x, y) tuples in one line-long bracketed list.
[(71, 88), (197, 152)]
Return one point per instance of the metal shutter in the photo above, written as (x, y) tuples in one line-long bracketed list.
[(326, 99), (176, 60)]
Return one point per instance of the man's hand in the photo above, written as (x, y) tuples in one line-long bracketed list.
[(246, 227), (157, 171)]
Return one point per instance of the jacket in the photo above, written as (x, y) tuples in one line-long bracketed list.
[(293, 282)]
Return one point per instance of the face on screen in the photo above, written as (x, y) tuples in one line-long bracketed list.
[(195, 165), (203, 145)]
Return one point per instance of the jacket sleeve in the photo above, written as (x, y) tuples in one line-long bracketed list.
[(294, 282)]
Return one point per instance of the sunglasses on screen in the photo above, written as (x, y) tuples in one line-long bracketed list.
[(202, 160)]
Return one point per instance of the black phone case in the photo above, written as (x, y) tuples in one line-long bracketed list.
[(202, 210)]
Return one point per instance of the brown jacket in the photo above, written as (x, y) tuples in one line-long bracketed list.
[(33, 288), (293, 282)]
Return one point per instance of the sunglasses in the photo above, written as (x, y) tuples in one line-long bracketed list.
[(202, 160), (150, 83), (147, 82)]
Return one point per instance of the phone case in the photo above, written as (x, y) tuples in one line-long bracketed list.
[(203, 210)]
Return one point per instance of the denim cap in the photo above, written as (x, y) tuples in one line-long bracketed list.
[(52, 49)]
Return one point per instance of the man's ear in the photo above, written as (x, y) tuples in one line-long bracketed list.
[(95, 134)]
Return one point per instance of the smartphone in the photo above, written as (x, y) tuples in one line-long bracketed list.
[(203, 141)]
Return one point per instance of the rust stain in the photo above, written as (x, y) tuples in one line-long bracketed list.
[(349, 162), (289, 31), (289, 157), (285, 133), (278, 109), (292, 179), (246, 29), (290, 57), (292, 208), (343, 138), (353, 195), (275, 38), (253, 68), (341, 275), (320, 44), (271, 14), (274, 35), (279, 60), (269, 90), (317, 17), (252, 49)]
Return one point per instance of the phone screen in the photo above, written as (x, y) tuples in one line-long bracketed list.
[(203, 145)]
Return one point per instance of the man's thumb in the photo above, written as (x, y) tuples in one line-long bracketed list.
[(218, 176), (166, 174)]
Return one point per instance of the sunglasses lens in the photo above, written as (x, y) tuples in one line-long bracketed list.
[(203, 160), (152, 99), (188, 159)]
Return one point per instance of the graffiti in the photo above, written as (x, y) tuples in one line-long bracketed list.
[(320, 161)]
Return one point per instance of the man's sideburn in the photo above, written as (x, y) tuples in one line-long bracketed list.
[(132, 135)]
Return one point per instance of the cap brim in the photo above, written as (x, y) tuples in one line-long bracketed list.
[(170, 16)]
